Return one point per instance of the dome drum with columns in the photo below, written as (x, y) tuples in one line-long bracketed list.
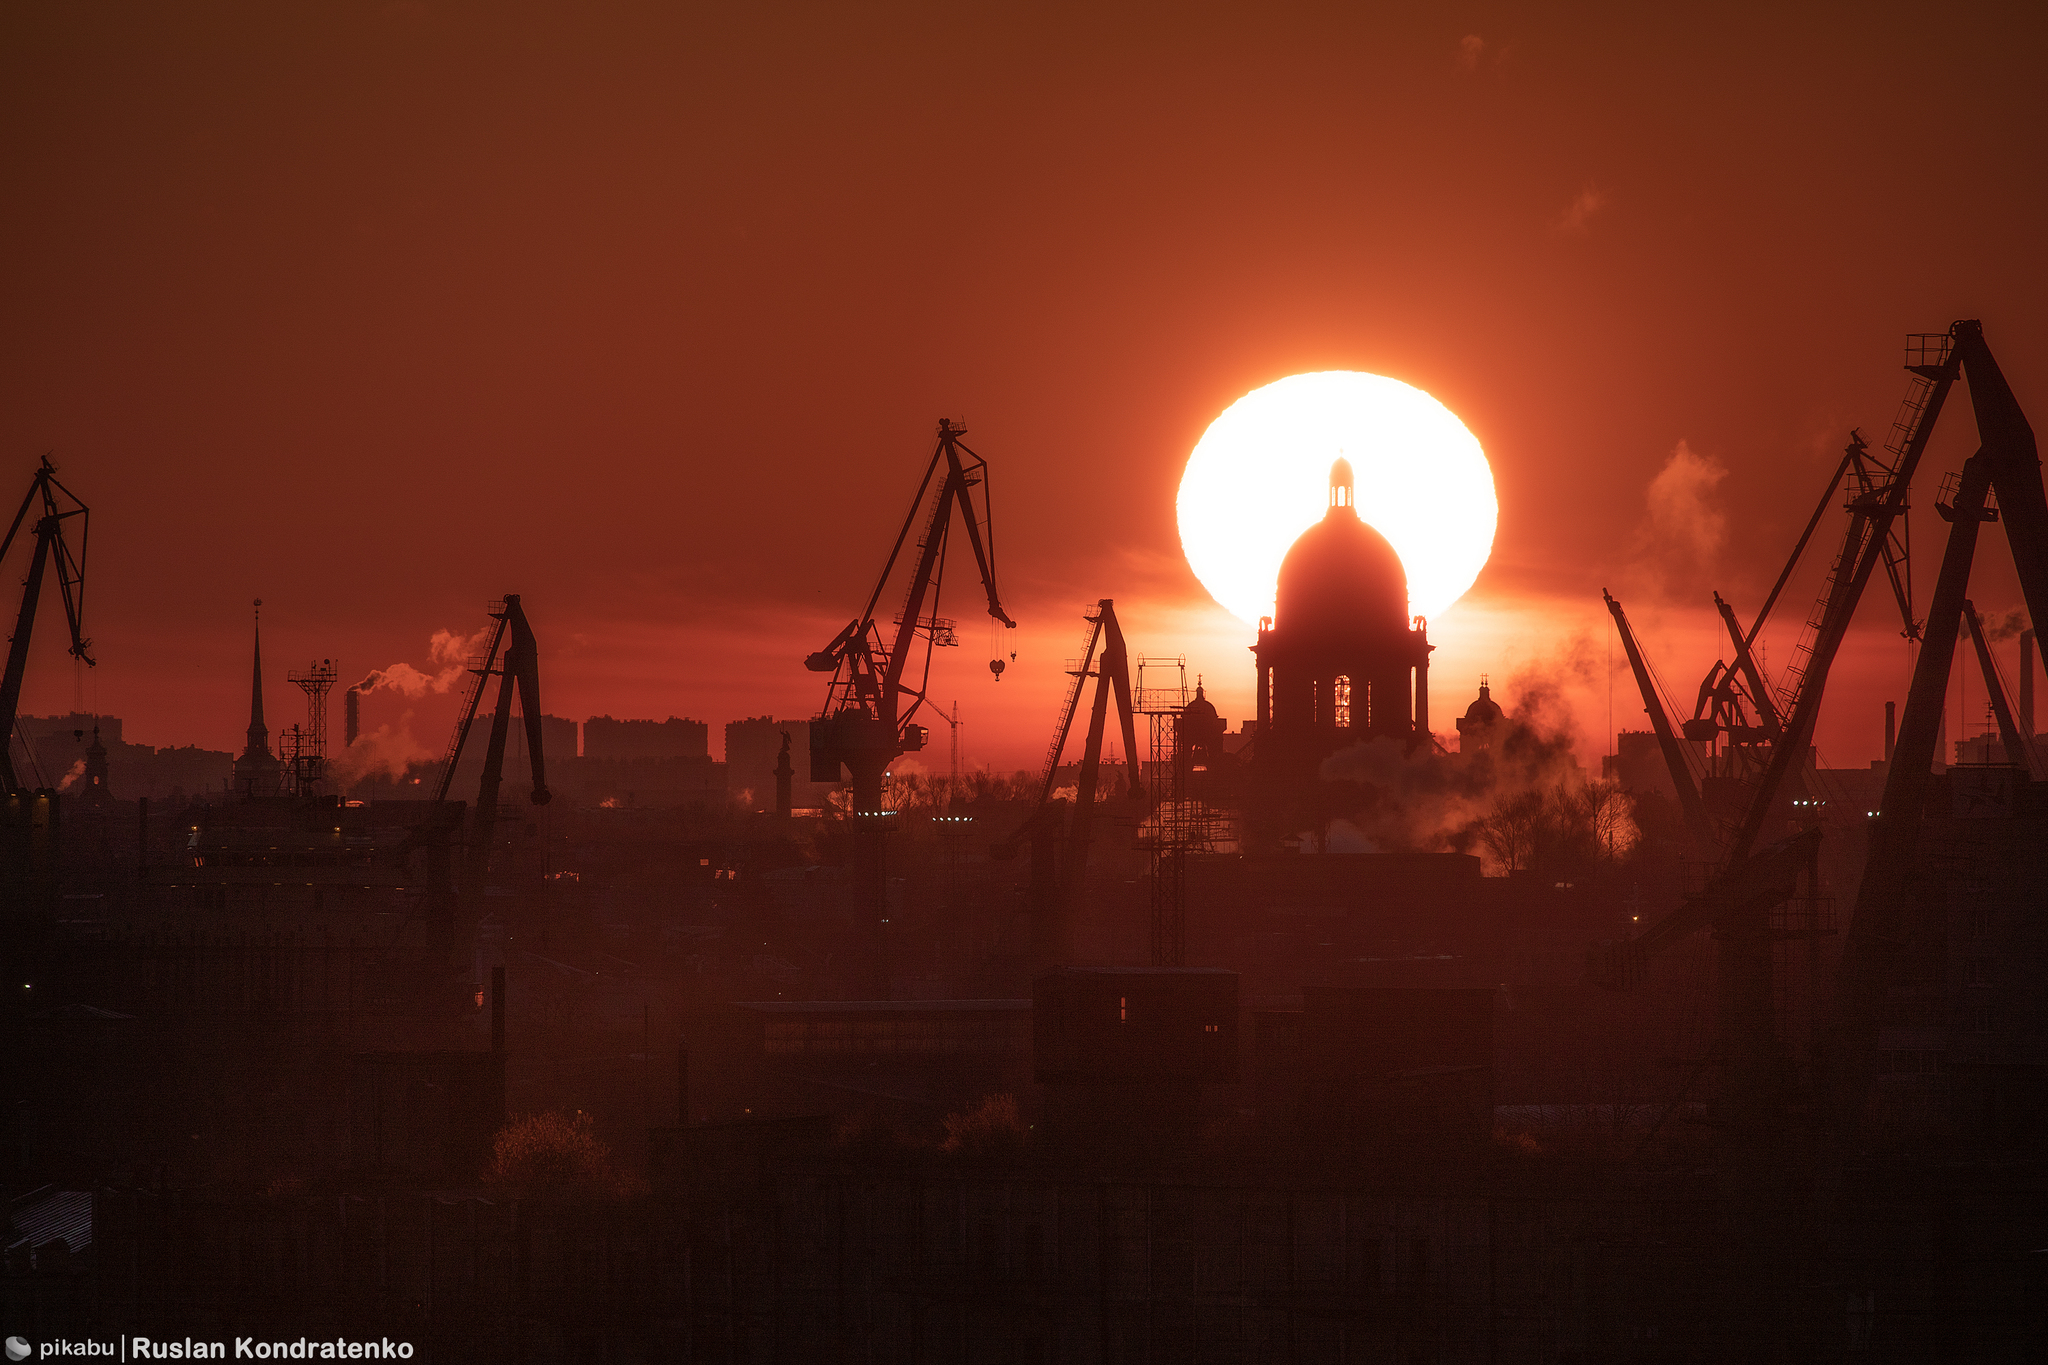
[(1339, 662)]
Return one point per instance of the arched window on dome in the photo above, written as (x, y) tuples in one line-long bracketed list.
[(1340, 702)]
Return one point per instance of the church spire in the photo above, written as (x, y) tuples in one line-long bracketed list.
[(259, 733), (256, 771)]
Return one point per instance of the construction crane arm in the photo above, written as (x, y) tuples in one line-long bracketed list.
[(984, 547), (1689, 802), (2017, 749), (1866, 542), (50, 547), (456, 741), (1766, 711), (1880, 942), (522, 661), (2015, 464)]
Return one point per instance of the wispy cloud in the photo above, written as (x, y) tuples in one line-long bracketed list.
[(1683, 528), (1577, 218)]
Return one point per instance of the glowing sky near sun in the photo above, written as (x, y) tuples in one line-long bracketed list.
[(1260, 476)]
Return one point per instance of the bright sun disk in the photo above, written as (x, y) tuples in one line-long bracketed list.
[(1260, 476)]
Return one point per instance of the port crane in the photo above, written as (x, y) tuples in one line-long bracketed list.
[(1753, 898), (513, 658), (871, 706), (1749, 883), (1736, 705), (2000, 482), (1876, 492), (53, 504), (1056, 880)]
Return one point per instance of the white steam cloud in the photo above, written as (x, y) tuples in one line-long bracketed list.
[(448, 654)]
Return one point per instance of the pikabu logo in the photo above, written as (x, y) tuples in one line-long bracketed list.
[(18, 1349)]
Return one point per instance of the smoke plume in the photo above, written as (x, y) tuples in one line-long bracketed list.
[(77, 771), (1682, 517), (2006, 627), (448, 655), (386, 750), (1498, 798)]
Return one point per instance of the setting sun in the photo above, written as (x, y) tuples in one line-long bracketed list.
[(1259, 477)]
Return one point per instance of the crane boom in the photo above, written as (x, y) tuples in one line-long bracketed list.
[(520, 671), (1689, 802), (1866, 543), (514, 659), (1745, 661), (2009, 736), (50, 547), (1056, 884), (480, 676)]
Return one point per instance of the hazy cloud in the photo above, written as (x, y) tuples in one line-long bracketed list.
[(387, 749), (1684, 521), (1471, 48), (1997, 627), (1577, 218), (1426, 800)]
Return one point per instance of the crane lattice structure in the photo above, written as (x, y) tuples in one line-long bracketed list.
[(304, 750), (58, 505)]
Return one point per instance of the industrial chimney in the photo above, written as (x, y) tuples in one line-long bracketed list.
[(352, 716)]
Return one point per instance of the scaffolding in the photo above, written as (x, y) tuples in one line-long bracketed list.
[(1181, 821)]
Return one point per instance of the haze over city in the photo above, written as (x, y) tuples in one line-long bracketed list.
[(648, 312)]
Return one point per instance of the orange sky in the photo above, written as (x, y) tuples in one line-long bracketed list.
[(647, 311)]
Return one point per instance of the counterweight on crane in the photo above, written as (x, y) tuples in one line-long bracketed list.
[(53, 504)]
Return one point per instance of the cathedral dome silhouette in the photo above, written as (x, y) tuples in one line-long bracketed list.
[(1341, 577)]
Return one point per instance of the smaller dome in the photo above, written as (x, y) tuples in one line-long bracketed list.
[(1483, 713), (1198, 722)]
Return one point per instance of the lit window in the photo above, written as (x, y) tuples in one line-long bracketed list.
[(1123, 1009), (1340, 702)]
